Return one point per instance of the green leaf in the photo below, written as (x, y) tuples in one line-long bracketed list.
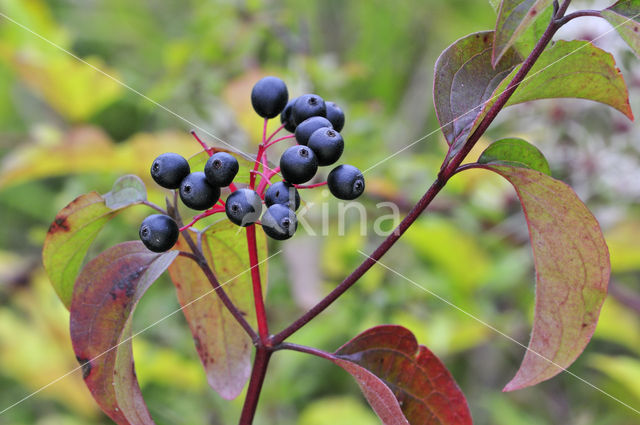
[(569, 69), (223, 346), (530, 37), (127, 190), (105, 295), (624, 17), (572, 272), (514, 17), (464, 80), (75, 228), (622, 369), (516, 152)]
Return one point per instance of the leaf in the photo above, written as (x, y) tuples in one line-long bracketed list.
[(70, 87), (87, 150), (572, 272), (625, 370), (569, 69), (76, 227), (104, 297), (127, 190), (530, 36), (223, 346), (516, 152), (403, 382), (624, 17), (464, 79), (514, 17)]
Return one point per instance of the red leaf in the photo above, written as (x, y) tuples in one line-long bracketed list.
[(401, 379), (104, 297), (572, 273)]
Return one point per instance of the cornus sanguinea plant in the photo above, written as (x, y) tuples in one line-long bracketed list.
[(475, 78)]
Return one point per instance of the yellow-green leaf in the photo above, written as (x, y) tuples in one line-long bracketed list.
[(624, 17), (77, 225), (572, 273)]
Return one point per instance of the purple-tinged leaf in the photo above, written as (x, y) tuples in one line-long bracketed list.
[(104, 297), (572, 272), (568, 69), (404, 382), (516, 152), (514, 17), (624, 16), (223, 346), (464, 79), (76, 227)]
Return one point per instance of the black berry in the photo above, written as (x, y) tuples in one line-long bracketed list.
[(159, 232), (243, 207), (169, 169), (298, 164), (282, 193), (269, 96), (221, 168), (305, 129), (307, 106), (335, 115), (346, 182), (286, 118), (327, 144), (279, 222), (197, 193)]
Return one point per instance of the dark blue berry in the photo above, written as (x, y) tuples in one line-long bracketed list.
[(243, 207), (298, 164), (221, 168), (346, 182), (279, 222), (307, 106), (169, 169), (282, 193), (159, 232), (269, 96), (197, 193), (327, 144), (305, 129), (286, 118), (335, 115)]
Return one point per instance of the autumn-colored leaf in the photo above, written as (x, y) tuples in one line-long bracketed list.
[(76, 227), (624, 16), (223, 346), (464, 79), (517, 152), (514, 17), (572, 272), (404, 382), (104, 297)]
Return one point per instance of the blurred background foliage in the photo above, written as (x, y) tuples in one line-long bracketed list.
[(66, 129)]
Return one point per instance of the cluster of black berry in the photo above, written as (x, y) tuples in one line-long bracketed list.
[(316, 125)]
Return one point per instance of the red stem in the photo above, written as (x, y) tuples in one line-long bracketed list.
[(309, 186), (278, 130), (258, 373), (291, 136), (207, 149), (216, 209), (261, 314)]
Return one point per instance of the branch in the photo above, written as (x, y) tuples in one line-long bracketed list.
[(444, 175)]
